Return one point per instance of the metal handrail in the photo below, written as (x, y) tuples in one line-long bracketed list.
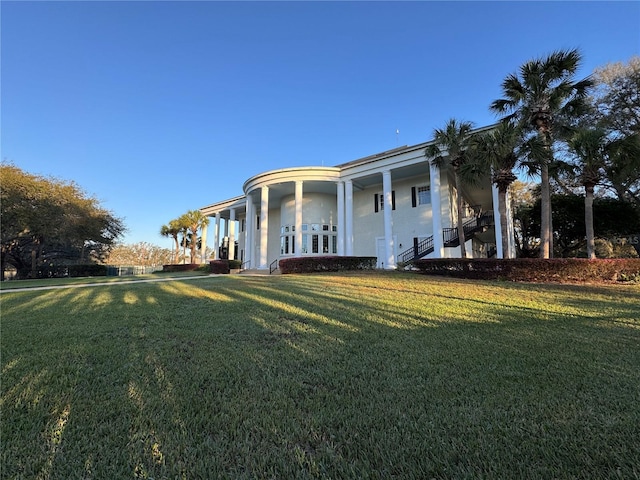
[(243, 264), (423, 248), (271, 266)]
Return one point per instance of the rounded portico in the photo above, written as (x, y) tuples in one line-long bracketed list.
[(293, 212)]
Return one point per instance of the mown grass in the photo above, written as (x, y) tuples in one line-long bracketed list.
[(383, 375), (48, 282)]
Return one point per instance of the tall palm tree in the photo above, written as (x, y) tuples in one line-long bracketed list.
[(453, 141), (194, 220), (497, 150), (543, 92), (593, 150), (172, 230)]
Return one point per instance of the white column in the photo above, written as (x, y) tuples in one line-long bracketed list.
[(248, 233), (496, 221), (264, 227), (389, 261), (340, 187), (298, 219), (436, 210), (203, 244), (511, 235), (348, 228), (217, 237), (232, 233)]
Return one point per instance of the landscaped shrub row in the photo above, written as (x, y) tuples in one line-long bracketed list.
[(180, 267), (58, 271), (326, 264), (536, 269)]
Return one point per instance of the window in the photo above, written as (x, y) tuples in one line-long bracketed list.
[(305, 239), (420, 195), (325, 243), (378, 201), (314, 243), (424, 195)]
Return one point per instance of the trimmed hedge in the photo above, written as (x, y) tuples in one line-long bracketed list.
[(535, 269), (326, 264), (219, 266), (88, 270), (180, 267)]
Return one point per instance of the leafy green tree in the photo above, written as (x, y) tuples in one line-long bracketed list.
[(45, 220), (172, 229), (593, 150), (617, 96), (194, 220), (452, 142), (543, 92), (617, 110), (612, 218), (497, 150)]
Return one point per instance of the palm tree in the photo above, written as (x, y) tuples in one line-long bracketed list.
[(593, 150), (193, 221), (497, 150), (453, 139), (172, 230), (543, 92)]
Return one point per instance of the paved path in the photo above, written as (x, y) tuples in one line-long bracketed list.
[(105, 284)]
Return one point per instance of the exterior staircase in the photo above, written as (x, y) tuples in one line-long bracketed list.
[(450, 238)]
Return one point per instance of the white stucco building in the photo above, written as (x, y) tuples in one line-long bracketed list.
[(392, 205)]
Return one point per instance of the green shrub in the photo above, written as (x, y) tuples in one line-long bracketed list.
[(326, 264), (535, 269), (180, 267), (58, 271), (219, 266)]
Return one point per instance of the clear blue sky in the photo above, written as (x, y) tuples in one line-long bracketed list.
[(156, 108)]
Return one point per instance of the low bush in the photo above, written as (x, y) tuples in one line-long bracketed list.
[(90, 270), (535, 269), (234, 264), (59, 271), (219, 266), (326, 264), (180, 267)]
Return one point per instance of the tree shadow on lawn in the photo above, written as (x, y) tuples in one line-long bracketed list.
[(258, 377)]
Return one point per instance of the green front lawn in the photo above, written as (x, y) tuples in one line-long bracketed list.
[(372, 375)]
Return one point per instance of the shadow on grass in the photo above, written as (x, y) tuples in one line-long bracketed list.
[(321, 376)]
